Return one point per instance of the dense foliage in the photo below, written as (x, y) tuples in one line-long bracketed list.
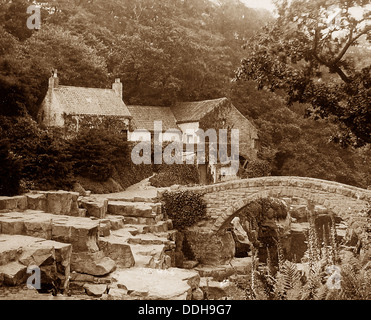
[(9, 171), (180, 174), (184, 208), (297, 146), (307, 53)]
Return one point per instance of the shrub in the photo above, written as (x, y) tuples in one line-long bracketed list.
[(181, 174), (185, 208), (43, 157), (255, 169), (94, 153), (9, 171)]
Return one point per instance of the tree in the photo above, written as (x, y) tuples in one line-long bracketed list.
[(9, 171), (306, 52)]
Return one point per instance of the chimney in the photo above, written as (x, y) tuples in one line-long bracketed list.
[(117, 87), (54, 80)]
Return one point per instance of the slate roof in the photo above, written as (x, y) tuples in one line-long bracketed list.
[(92, 101), (195, 111), (145, 116)]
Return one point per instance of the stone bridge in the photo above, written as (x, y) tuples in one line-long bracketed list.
[(224, 199)]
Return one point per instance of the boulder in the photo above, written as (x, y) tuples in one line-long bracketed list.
[(198, 294), (36, 201), (210, 248), (154, 284), (13, 274), (95, 290), (62, 202), (95, 208), (118, 250), (13, 203), (214, 290), (96, 264)]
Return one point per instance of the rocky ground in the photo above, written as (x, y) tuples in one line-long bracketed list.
[(98, 246), (119, 247)]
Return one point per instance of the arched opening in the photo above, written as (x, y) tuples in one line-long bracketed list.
[(267, 221)]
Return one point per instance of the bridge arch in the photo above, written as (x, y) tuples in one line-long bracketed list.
[(225, 199)]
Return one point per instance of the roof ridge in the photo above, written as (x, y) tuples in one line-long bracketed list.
[(207, 100), (79, 87)]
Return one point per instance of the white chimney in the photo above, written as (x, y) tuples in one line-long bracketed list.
[(117, 87), (54, 80)]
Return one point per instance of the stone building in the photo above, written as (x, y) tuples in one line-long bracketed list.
[(188, 118), (77, 108)]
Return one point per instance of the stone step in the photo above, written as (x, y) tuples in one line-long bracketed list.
[(159, 227), (130, 209), (82, 233), (118, 249), (153, 199), (130, 237), (219, 273), (134, 209), (149, 256), (150, 284), (140, 220), (94, 208)]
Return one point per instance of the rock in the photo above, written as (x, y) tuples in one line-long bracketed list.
[(299, 212), (95, 290), (62, 202), (13, 203), (96, 264), (82, 212), (198, 294), (36, 202), (154, 284), (118, 250), (77, 187), (13, 274), (95, 208), (39, 227), (104, 228), (214, 290), (131, 209), (81, 277), (116, 222), (11, 226), (51, 257), (210, 248), (117, 294)]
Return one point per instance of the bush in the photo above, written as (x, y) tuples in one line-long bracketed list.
[(185, 208), (43, 157), (255, 169), (181, 174), (94, 153), (9, 171)]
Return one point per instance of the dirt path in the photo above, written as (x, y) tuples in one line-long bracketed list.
[(141, 189)]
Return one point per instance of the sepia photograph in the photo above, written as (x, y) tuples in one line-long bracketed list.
[(185, 155)]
